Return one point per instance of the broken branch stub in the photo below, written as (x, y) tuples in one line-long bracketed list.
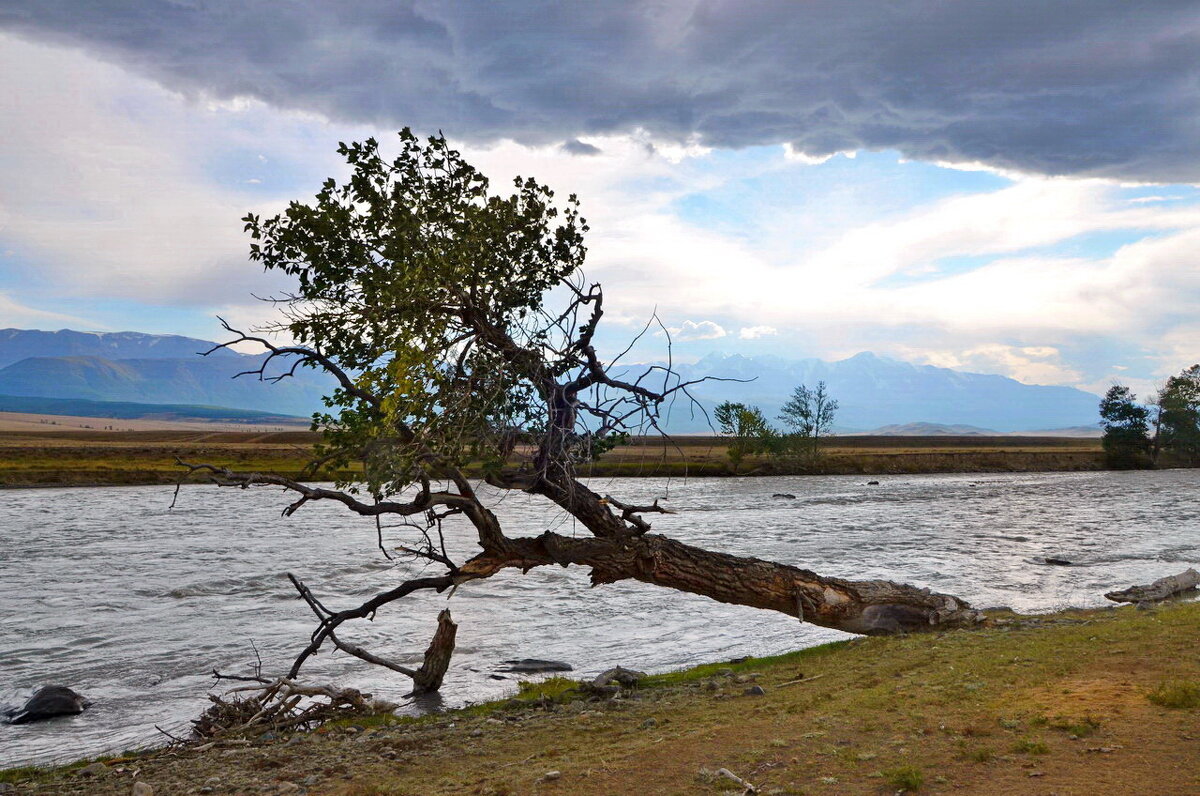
[(437, 657)]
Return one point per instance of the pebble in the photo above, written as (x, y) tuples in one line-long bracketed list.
[(550, 776), (476, 733), (287, 787), (725, 672), (142, 789), (755, 690), (650, 722)]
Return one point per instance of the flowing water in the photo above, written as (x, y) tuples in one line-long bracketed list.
[(109, 591)]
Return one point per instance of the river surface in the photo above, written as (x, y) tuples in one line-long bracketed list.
[(131, 603)]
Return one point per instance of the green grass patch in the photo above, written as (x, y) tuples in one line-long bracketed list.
[(905, 778), (1176, 694), (709, 670), (554, 689), (11, 775), (1031, 746)]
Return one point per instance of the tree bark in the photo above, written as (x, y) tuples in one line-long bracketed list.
[(428, 678), (1160, 589), (874, 607)]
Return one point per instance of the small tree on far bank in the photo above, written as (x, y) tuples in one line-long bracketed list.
[(1178, 423), (746, 429), (808, 415), (1126, 429)]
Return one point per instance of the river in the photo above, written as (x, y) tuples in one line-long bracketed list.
[(132, 603)]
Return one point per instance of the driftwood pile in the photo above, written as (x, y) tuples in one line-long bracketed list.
[(281, 705)]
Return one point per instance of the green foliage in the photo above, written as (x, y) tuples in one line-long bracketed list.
[(747, 430), (1126, 429), (1177, 694), (1179, 415), (401, 269)]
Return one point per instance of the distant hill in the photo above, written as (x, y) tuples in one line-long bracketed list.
[(931, 430), (129, 410), (18, 344), (877, 391)]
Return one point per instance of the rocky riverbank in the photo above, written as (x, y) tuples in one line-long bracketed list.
[(1080, 702)]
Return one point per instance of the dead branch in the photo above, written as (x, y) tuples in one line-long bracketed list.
[(1161, 589)]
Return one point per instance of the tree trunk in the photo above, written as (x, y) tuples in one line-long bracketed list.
[(437, 658), (1160, 589), (875, 607)]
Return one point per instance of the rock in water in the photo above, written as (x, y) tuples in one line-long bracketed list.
[(1058, 562), (536, 665), (48, 702)]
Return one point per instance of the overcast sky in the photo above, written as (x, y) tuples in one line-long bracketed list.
[(1006, 187)]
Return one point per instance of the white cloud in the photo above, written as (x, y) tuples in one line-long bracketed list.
[(15, 314), (755, 332), (1029, 364), (690, 330)]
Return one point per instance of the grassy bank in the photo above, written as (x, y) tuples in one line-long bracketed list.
[(1082, 702), (75, 458)]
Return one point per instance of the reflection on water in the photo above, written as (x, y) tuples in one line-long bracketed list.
[(109, 592)]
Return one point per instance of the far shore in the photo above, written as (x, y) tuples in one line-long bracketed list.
[(64, 457)]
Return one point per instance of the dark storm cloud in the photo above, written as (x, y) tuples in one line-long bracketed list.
[(1070, 87), (577, 147)]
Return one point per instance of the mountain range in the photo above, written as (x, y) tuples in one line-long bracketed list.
[(873, 391), (148, 369)]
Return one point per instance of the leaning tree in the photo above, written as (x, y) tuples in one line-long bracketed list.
[(460, 333)]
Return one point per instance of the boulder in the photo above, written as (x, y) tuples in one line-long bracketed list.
[(48, 702), (619, 675)]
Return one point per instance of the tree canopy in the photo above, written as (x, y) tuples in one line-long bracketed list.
[(1179, 418), (1126, 428)]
